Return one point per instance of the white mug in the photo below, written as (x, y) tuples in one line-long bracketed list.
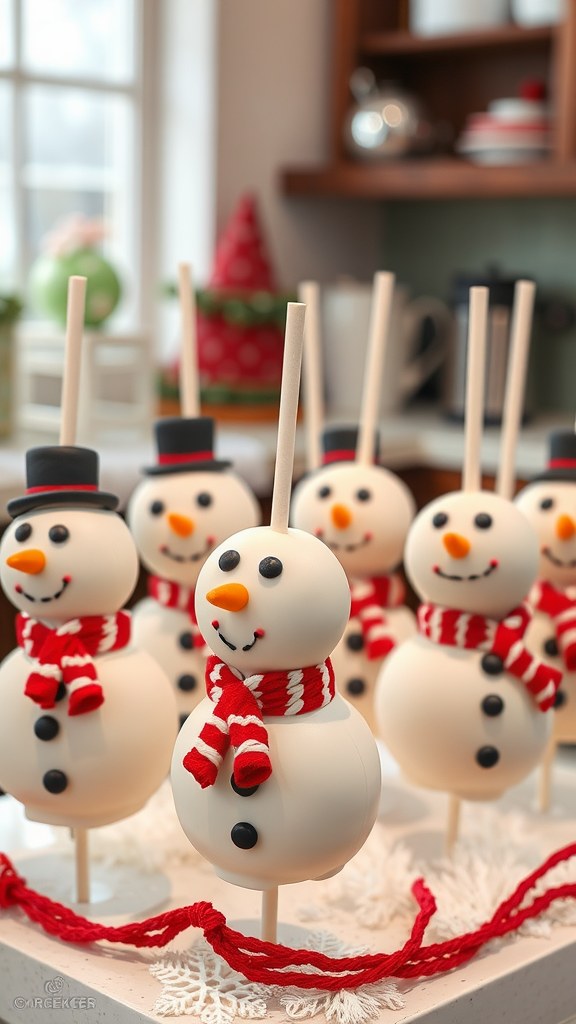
[(345, 324)]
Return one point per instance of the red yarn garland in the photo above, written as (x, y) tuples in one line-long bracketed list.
[(278, 965)]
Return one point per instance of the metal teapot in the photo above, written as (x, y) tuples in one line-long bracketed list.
[(386, 122)]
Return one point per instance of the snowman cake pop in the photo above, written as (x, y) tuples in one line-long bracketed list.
[(87, 721), (362, 512), (276, 778), (549, 503), (186, 506), (188, 503), (464, 707)]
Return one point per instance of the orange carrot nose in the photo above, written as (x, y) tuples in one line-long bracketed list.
[(565, 527), (31, 561), (456, 545), (341, 516), (181, 525), (233, 597)]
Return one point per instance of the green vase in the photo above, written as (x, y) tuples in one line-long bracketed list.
[(49, 285)]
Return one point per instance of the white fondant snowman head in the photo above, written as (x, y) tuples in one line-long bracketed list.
[(473, 551), (267, 600), (67, 554), (549, 503), (189, 503), (362, 513)]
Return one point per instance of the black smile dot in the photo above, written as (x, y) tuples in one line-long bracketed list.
[(355, 641), (440, 520), (270, 567), (46, 727), (157, 508), (355, 687), (551, 647), (560, 699), (186, 640), (58, 534), (22, 532), (483, 521), (244, 835), (487, 757), (182, 719), (187, 682), (60, 692), (240, 790), (55, 781), (492, 705), (492, 665), (229, 560)]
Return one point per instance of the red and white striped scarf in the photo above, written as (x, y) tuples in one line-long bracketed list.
[(561, 608), (174, 595), (237, 717), (369, 598), (503, 638), (64, 655)]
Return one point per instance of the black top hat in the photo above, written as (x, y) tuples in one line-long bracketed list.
[(184, 445), (61, 475), (562, 460), (339, 445)]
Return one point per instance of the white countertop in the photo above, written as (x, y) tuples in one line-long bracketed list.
[(418, 438)]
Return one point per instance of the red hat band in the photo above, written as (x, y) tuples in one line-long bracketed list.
[(178, 458), (339, 455)]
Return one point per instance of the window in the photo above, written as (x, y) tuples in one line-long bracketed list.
[(70, 127)]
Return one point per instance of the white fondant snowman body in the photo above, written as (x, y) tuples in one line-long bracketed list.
[(102, 765), (320, 802), (177, 519), (550, 506), (362, 513), (453, 718)]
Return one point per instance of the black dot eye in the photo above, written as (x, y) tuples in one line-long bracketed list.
[(157, 508), (23, 531), (204, 499), (363, 494), (229, 560), (270, 567), (440, 519), (483, 521), (325, 492), (58, 534), (546, 504)]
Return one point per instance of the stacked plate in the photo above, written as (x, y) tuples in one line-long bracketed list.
[(512, 131)]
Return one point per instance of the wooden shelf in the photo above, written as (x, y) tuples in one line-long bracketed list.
[(432, 179), (398, 43)]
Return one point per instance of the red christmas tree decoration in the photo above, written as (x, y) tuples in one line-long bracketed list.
[(240, 338)]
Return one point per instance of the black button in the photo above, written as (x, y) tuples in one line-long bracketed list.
[(355, 641), (242, 791), (186, 640), (551, 647), (187, 683), (60, 692), (182, 719), (355, 687), (244, 835), (492, 665), (492, 705), (46, 727), (55, 781), (487, 757), (560, 699)]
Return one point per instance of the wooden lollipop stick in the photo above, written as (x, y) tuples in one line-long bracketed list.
[(269, 914), (293, 343), (189, 385), (382, 295), (309, 294), (524, 293), (82, 865), (475, 371), (72, 356), (453, 824), (545, 779)]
